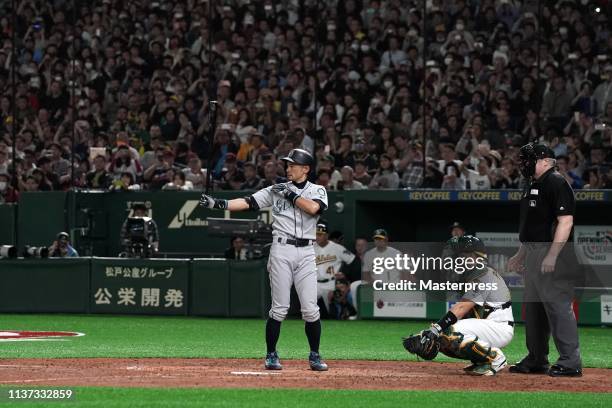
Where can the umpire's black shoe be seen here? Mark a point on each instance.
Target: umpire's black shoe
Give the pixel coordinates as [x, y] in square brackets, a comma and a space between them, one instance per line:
[560, 371]
[524, 368]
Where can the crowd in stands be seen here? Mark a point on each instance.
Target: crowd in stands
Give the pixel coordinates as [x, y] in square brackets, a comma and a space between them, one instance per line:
[115, 94]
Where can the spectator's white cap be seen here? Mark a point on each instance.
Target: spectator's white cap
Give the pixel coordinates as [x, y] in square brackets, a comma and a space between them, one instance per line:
[431, 63]
[499, 54]
[354, 76]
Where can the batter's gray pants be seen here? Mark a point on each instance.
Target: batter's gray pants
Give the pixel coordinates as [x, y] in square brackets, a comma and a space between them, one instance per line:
[289, 265]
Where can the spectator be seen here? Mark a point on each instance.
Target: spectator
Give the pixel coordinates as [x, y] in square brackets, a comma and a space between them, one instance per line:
[123, 163]
[252, 180]
[557, 101]
[348, 182]
[326, 164]
[381, 250]
[236, 251]
[501, 134]
[125, 183]
[230, 171]
[144, 79]
[341, 301]
[99, 178]
[361, 173]
[479, 179]
[593, 179]
[271, 176]
[159, 172]
[194, 173]
[7, 193]
[59, 165]
[571, 177]
[603, 92]
[4, 163]
[507, 176]
[61, 248]
[386, 177]
[49, 180]
[178, 183]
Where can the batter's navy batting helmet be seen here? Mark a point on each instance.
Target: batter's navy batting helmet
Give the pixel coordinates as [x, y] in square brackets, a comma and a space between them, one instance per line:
[299, 156]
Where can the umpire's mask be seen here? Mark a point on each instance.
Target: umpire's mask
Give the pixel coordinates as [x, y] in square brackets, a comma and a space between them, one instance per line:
[530, 154]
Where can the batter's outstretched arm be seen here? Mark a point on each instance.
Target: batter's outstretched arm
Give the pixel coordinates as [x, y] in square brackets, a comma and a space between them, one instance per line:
[237, 204]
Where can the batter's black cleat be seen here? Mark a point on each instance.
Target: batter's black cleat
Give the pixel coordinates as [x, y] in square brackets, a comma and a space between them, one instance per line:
[273, 362]
[560, 371]
[316, 363]
[524, 368]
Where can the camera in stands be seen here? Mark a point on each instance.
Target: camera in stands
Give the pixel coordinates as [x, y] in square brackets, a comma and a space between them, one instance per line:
[8, 251]
[35, 252]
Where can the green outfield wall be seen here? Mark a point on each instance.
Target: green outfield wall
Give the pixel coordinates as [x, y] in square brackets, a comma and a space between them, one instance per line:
[216, 287]
[94, 218]
[203, 287]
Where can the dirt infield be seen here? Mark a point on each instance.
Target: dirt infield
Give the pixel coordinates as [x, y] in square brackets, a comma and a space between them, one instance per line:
[345, 374]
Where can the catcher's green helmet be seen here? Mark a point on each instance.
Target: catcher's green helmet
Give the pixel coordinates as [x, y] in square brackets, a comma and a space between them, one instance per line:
[467, 244]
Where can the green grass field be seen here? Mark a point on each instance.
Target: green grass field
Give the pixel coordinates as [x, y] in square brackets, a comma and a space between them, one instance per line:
[154, 336]
[191, 398]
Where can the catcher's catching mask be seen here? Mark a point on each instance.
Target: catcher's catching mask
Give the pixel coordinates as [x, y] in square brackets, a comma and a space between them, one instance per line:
[530, 154]
[469, 246]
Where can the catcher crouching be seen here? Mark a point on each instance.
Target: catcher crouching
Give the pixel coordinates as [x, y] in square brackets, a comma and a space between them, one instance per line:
[478, 326]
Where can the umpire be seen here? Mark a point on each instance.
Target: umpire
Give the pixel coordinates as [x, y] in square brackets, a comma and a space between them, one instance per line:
[546, 224]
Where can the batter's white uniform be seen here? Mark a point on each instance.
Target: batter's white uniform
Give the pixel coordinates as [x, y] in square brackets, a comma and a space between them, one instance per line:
[329, 259]
[290, 264]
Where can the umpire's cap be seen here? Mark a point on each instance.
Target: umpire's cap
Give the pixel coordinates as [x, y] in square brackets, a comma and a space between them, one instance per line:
[467, 243]
[299, 156]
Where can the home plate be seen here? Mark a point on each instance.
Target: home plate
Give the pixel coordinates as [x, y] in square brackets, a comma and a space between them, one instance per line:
[253, 373]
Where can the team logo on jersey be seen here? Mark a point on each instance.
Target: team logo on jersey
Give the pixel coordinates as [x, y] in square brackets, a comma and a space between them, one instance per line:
[321, 259]
[532, 203]
[19, 335]
[281, 205]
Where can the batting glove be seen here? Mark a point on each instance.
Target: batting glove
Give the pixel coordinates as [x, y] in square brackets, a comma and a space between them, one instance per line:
[209, 202]
[283, 190]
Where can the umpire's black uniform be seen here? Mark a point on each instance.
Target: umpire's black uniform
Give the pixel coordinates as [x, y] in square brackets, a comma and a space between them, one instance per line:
[548, 296]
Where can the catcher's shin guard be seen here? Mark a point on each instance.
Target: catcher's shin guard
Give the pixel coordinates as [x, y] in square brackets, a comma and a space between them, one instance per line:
[465, 347]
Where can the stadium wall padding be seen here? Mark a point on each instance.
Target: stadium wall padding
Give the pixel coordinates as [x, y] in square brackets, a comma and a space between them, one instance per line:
[94, 219]
[44, 285]
[203, 287]
[200, 287]
[7, 224]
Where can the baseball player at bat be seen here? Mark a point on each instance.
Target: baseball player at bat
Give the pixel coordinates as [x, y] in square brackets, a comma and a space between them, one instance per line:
[296, 207]
[479, 325]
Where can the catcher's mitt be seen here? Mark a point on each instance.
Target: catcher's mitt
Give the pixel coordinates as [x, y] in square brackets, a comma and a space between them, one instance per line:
[423, 345]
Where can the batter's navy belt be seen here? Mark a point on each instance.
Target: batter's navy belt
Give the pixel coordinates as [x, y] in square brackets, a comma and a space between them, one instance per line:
[297, 242]
[324, 280]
